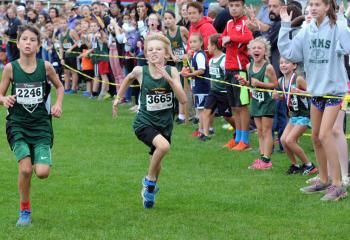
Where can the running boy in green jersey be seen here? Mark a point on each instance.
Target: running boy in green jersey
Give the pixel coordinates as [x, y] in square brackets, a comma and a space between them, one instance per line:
[154, 122]
[28, 126]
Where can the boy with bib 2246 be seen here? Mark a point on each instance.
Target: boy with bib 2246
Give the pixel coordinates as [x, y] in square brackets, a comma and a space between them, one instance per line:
[28, 126]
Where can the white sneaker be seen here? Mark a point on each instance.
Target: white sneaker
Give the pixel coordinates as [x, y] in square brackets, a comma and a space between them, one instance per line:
[346, 182]
[313, 180]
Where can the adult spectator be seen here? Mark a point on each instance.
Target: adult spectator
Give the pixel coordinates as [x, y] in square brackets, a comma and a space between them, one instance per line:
[32, 16]
[199, 23]
[53, 13]
[223, 17]
[100, 15]
[39, 7]
[71, 14]
[116, 9]
[143, 10]
[272, 33]
[21, 14]
[213, 10]
[13, 23]
[85, 12]
[260, 22]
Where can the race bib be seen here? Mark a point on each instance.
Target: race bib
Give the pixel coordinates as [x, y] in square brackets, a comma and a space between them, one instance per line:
[215, 71]
[29, 93]
[294, 103]
[160, 101]
[259, 96]
[67, 45]
[179, 52]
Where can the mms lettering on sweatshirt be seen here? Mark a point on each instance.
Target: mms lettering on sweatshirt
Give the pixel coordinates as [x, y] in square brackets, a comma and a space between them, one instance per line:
[321, 48]
[318, 48]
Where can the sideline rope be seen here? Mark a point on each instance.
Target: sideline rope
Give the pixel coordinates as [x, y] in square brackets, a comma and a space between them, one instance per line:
[344, 98]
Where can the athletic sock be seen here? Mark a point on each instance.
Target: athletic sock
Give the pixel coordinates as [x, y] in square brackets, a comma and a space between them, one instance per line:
[238, 135]
[309, 164]
[25, 205]
[265, 159]
[245, 136]
[181, 117]
[150, 188]
[296, 165]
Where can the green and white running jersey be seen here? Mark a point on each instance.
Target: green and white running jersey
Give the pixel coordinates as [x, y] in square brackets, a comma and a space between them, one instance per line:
[29, 119]
[177, 46]
[262, 103]
[218, 73]
[156, 103]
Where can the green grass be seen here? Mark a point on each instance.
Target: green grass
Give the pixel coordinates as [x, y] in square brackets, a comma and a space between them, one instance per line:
[206, 192]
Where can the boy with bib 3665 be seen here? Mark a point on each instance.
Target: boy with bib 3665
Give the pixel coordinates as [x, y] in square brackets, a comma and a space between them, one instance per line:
[154, 122]
[28, 126]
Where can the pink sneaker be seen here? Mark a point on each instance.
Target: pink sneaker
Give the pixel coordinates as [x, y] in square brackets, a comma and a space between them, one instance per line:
[260, 165]
[255, 163]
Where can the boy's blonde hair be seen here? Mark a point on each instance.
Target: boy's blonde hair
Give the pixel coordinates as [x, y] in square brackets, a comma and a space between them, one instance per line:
[265, 42]
[159, 37]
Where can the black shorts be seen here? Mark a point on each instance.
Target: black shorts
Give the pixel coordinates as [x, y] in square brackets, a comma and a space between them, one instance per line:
[71, 61]
[218, 100]
[237, 96]
[147, 134]
[89, 73]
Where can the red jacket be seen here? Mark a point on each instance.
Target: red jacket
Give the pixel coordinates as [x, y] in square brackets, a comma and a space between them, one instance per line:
[205, 28]
[237, 50]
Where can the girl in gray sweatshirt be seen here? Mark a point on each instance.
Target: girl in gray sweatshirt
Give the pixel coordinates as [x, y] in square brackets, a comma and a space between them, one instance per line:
[321, 47]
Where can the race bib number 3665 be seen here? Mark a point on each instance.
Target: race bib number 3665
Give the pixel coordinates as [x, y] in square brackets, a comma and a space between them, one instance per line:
[160, 101]
[29, 93]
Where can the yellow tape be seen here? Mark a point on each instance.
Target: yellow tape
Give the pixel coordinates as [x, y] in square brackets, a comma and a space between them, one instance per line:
[87, 76]
[344, 98]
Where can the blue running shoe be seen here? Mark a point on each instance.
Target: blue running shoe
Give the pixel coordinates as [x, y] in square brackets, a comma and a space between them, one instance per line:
[67, 91]
[25, 218]
[148, 192]
[87, 94]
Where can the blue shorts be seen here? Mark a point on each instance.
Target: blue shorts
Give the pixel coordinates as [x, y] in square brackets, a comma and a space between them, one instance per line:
[321, 103]
[199, 100]
[299, 121]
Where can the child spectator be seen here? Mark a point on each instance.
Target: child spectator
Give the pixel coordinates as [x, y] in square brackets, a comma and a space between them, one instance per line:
[299, 113]
[261, 74]
[321, 45]
[69, 40]
[217, 98]
[235, 39]
[200, 87]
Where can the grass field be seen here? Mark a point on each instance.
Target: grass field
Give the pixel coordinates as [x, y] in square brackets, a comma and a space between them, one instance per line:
[206, 192]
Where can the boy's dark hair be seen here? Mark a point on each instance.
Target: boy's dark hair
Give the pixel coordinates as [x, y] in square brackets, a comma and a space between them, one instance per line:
[28, 27]
[213, 39]
[243, 1]
[196, 5]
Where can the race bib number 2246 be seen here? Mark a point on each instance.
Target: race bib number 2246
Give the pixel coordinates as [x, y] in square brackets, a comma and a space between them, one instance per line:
[29, 93]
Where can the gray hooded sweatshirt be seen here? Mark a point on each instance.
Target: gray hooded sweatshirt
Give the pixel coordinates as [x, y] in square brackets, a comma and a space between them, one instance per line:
[322, 50]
